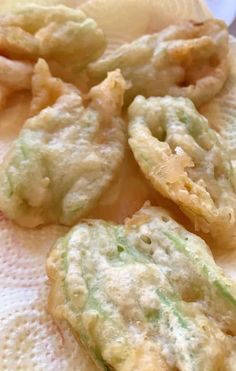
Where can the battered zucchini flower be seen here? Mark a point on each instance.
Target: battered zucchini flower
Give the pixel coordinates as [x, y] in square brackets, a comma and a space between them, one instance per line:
[188, 59]
[144, 296]
[65, 37]
[66, 154]
[186, 162]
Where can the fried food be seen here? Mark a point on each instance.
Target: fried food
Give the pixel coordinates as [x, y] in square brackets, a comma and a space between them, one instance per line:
[65, 37]
[126, 194]
[29, 338]
[221, 111]
[66, 155]
[185, 161]
[188, 59]
[14, 76]
[124, 21]
[56, 33]
[144, 296]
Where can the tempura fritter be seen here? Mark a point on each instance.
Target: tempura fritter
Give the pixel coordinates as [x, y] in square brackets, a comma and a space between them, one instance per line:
[66, 155]
[188, 59]
[14, 76]
[186, 162]
[221, 111]
[144, 296]
[65, 37]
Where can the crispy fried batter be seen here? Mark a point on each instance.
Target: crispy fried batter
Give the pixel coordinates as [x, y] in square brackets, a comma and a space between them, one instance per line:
[221, 111]
[188, 59]
[66, 155]
[185, 162]
[65, 37]
[14, 76]
[146, 297]
[55, 33]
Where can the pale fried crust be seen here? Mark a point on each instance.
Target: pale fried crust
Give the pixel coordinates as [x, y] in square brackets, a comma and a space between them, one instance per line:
[55, 33]
[188, 59]
[221, 111]
[144, 296]
[143, 357]
[185, 161]
[86, 139]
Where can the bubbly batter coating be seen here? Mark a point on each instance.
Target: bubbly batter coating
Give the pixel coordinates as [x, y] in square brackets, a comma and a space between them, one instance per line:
[144, 296]
[65, 37]
[188, 59]
[185, 161]
[66, 155]
[221, 111]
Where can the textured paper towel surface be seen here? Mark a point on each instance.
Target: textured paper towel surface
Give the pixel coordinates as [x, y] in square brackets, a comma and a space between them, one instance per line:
[124, 20]
[29, 338]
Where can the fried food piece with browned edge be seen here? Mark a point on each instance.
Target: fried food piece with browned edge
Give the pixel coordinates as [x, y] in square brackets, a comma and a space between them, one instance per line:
[186, 162]
[187, 59]
[65, 37]
[144, 296]
[67, 154]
